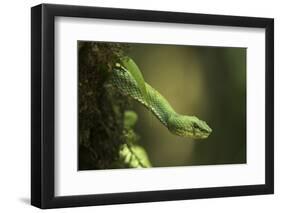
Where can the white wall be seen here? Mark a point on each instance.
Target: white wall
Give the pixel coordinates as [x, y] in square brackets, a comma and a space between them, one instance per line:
[15, 106]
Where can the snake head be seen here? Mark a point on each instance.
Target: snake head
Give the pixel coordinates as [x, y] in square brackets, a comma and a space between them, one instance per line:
[188, 126]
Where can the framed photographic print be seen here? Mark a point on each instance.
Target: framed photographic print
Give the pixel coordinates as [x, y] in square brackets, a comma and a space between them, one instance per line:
[140, 106]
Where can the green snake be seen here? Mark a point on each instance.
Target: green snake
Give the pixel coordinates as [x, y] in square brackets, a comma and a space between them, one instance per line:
[126, 82]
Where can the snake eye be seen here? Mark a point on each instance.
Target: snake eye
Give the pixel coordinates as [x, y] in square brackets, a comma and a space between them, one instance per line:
[195, 125]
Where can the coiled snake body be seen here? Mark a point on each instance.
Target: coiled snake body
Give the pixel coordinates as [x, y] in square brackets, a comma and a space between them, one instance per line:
[181, 125]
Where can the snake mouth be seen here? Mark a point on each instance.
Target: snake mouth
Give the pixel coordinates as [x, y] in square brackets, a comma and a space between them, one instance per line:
[195, 133]
[189, 126]
[200, 135]
[201, 130]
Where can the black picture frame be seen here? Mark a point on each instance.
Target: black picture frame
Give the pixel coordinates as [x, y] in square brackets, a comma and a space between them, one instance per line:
[43, 102]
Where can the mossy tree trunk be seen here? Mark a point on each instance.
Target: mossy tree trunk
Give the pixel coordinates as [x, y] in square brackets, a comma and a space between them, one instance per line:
[101, 108]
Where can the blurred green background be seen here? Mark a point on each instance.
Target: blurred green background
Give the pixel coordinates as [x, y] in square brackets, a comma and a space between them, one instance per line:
[208, 82]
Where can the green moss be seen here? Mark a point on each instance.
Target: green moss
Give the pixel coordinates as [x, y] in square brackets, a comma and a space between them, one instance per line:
[100, 106]
[107, 139]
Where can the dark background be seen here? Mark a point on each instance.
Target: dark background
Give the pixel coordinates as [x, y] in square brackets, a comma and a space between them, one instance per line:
[208, 82]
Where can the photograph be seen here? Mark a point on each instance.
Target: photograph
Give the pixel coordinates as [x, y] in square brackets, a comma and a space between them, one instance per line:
[146, 105]
[139, 105]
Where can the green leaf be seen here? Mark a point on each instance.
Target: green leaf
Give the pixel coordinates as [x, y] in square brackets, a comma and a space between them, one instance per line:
[134, 70]
[134, 156]
[130, 119]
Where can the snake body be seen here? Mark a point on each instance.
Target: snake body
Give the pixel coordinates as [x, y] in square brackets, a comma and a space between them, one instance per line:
[181, 125]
